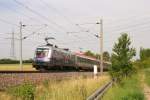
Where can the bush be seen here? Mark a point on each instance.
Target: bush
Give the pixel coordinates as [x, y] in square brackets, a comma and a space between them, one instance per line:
[144, 53]
[128, 89]
[146, 63]
[25, 91]
[142, 64]
[147, 77]
[28, 61]
[134, 96]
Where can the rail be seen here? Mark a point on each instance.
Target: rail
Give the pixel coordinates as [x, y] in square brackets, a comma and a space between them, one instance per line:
[100, 92]
[34, 71]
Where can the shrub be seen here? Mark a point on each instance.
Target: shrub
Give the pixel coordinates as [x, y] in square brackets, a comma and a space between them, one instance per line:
[133, 96]
[147, 77]
[146, 63]
[128, 89]
[25, 91]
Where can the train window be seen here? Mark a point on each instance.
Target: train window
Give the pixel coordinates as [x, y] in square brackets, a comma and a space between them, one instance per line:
[42, 52]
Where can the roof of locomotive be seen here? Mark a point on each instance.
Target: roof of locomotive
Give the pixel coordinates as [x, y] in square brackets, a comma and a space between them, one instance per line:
[55, 48]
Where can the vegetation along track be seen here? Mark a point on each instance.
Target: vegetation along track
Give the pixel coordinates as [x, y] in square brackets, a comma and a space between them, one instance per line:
[13, 78]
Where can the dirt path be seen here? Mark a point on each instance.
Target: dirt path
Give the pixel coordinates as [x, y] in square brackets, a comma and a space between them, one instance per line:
[145, 87]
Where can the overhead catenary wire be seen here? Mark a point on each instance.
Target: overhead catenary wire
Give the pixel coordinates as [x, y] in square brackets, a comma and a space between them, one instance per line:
[30, 18]
[64, 16]
[58, 12]
[126, 19]
[21, 13]
[77, 41]
[40, 15]
[7, 22]
[34, 32]
[147, 22]
[130, 27]
[87, 40]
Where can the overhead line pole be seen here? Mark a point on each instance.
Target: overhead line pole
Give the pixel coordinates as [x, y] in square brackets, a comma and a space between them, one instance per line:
[21, 25]
[101, 45]
[100, 36]
[21, 67]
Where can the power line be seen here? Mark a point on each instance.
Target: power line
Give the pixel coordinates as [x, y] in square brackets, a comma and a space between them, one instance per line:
[130, 26]
[34, 19]
[39, 14]
[30, 18]
[58, 12]
[134, 17]
[61, 14]
[7, 22]
[144, 20]
[5, 33]
[34, 32]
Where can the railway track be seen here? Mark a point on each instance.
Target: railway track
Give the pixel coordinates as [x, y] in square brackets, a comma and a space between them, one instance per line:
[13, 78]
[98, 94]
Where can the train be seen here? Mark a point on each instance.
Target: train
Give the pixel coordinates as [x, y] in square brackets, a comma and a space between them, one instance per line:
[49, 57]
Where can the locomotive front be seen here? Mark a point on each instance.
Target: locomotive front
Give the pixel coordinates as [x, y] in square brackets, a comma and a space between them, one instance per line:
[42, 57]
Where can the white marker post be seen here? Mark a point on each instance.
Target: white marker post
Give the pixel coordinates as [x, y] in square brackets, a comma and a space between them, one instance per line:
[95, 71]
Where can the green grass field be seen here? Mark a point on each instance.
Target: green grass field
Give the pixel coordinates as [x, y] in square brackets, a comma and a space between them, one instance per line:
[8, 67]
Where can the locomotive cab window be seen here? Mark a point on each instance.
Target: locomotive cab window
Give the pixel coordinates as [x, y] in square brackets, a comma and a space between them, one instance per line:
[42, 52]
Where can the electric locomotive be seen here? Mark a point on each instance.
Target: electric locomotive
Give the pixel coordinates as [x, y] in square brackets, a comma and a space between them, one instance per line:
[51, 57]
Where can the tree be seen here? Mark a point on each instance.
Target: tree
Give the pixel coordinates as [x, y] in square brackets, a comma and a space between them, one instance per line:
[121, 57]
[97, 56]
[106, 56]
[144, 54]
[89, 53]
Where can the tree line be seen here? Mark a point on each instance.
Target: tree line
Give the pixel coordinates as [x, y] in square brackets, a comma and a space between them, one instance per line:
[144, 54]
[12, 61]
[106, 55]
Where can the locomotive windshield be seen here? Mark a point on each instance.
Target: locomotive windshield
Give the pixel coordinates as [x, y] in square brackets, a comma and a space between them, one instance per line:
[42, 52]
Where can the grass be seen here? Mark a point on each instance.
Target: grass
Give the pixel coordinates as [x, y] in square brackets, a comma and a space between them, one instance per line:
[129, 89]
[147, 76]
[15, 67]
[73, 89]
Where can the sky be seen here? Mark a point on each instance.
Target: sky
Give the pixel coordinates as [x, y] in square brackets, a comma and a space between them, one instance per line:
[73, 24]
